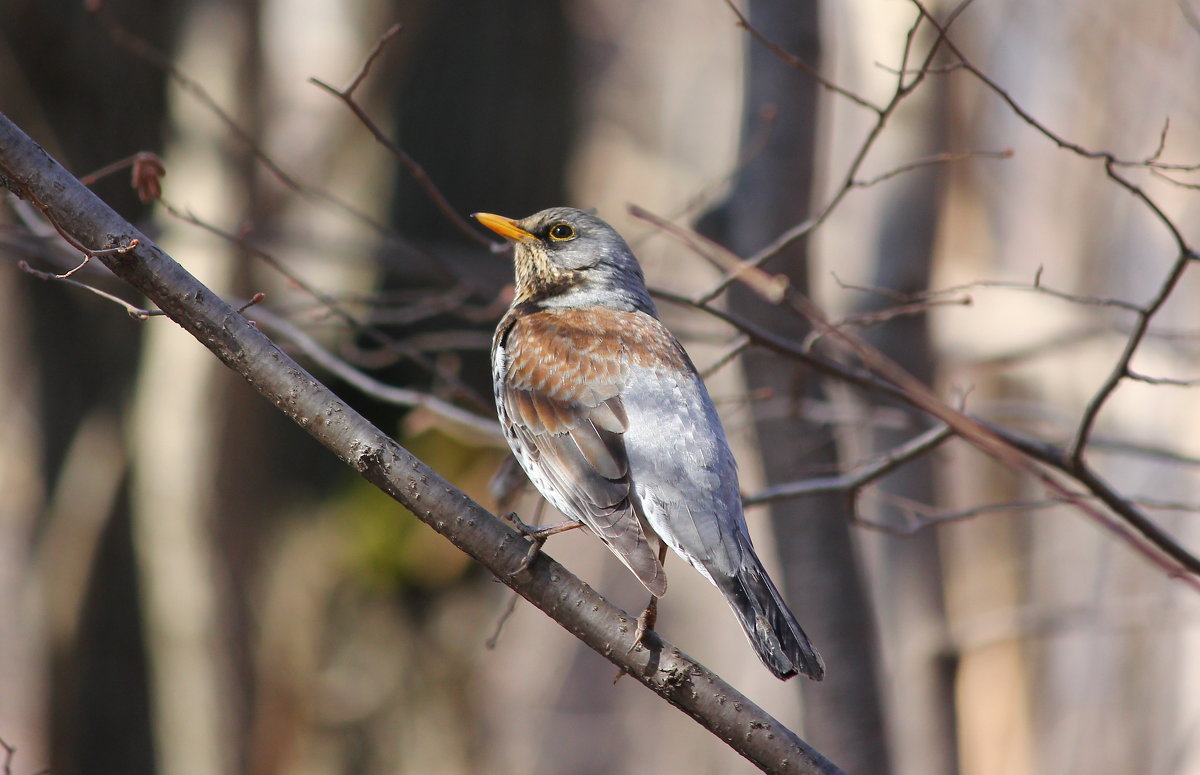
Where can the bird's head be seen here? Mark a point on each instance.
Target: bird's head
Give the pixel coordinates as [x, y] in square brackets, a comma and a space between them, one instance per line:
[569, 258]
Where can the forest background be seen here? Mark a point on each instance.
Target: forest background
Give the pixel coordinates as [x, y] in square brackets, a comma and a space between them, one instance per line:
[998, 198]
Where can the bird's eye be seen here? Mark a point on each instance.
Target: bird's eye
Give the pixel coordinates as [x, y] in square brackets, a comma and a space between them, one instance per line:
[561, 232]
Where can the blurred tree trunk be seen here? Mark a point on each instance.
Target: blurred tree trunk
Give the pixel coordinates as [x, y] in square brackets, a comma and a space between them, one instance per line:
[822, 576]
[24, 698]
[81, 583]
[909, 585]
[186, 587]
[895, 229]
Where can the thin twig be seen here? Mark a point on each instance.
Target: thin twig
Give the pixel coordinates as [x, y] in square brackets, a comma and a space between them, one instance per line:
[388, 34]
[148, 171]
[920, 517]
[509, 609]
[1175, 181]
[142, 49]
[1164, 505]
[903, 90]
[1138, 377]
[936, 159]
[859, 477]
[135, 312]
[335, 308]
[481, 426]
[1189, 15]
[733, 351]
[1186, 255]
[431, 189]
[769, 286]
[798, 63]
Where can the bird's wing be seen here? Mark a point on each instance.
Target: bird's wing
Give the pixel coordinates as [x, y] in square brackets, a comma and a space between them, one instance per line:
[560, 396]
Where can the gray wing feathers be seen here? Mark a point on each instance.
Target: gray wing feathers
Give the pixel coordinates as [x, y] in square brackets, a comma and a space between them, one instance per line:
[683, 471]
[580, 454]
[686, 480]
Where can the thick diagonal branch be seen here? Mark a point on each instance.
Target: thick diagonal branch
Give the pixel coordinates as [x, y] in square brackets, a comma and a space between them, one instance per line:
[29, 172]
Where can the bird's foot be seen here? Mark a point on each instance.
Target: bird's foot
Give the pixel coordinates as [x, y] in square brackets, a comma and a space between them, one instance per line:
[645, 623]
[641, 635]
[535, 548]
[537, 537]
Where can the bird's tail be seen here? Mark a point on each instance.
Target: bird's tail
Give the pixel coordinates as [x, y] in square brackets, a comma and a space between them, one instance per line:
[769, 624]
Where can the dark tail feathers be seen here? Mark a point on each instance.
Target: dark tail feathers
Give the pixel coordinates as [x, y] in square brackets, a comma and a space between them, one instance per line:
[769, 624]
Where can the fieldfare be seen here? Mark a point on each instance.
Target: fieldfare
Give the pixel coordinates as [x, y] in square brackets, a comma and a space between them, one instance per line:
[608, 417]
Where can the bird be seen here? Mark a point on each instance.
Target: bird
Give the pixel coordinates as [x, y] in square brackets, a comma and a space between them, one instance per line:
[608, 417]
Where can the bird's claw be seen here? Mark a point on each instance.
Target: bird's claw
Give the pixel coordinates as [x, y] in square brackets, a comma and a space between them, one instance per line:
[645, 626]
[535, 548]
[515, 522]
[536, 540]
[535, 535]
[645, 623]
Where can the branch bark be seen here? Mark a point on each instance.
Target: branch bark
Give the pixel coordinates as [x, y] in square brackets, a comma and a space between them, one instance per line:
[30, 173]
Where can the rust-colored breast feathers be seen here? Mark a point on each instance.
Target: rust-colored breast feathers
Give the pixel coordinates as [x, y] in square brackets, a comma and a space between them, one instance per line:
[584, 356]
[562, 389]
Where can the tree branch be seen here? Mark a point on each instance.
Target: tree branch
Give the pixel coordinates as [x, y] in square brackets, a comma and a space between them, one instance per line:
[29, 172]
[860, 477]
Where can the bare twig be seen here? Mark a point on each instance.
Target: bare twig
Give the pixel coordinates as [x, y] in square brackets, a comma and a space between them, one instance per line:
[509, 609]
[1159, 504]
[148, 172]
[1175, 181]
[859, 477]
[1137, 377]
[921, 517]
[335, 308]
[511, 606]
[798, 63]
[769, 286]
[878, 317]
[733, 351]
[1189, 15]
[142, 49]
[1150, 161]
[929, 161]
[904, 87]
[1111, 163]
[1038, 287]
[384, 39]
[1141, 327]
[414, 168]
[479, 425]
[134, 312]
[115, 246]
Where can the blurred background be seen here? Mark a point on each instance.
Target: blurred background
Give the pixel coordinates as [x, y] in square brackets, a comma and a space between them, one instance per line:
[189, 584]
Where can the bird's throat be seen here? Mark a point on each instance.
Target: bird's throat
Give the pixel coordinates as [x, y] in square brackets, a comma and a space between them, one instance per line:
[537, 279]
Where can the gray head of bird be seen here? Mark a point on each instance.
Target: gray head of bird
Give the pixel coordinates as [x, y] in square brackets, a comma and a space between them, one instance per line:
[570, 258]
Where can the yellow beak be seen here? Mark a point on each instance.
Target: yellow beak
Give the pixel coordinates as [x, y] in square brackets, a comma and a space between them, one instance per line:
[505, 227]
